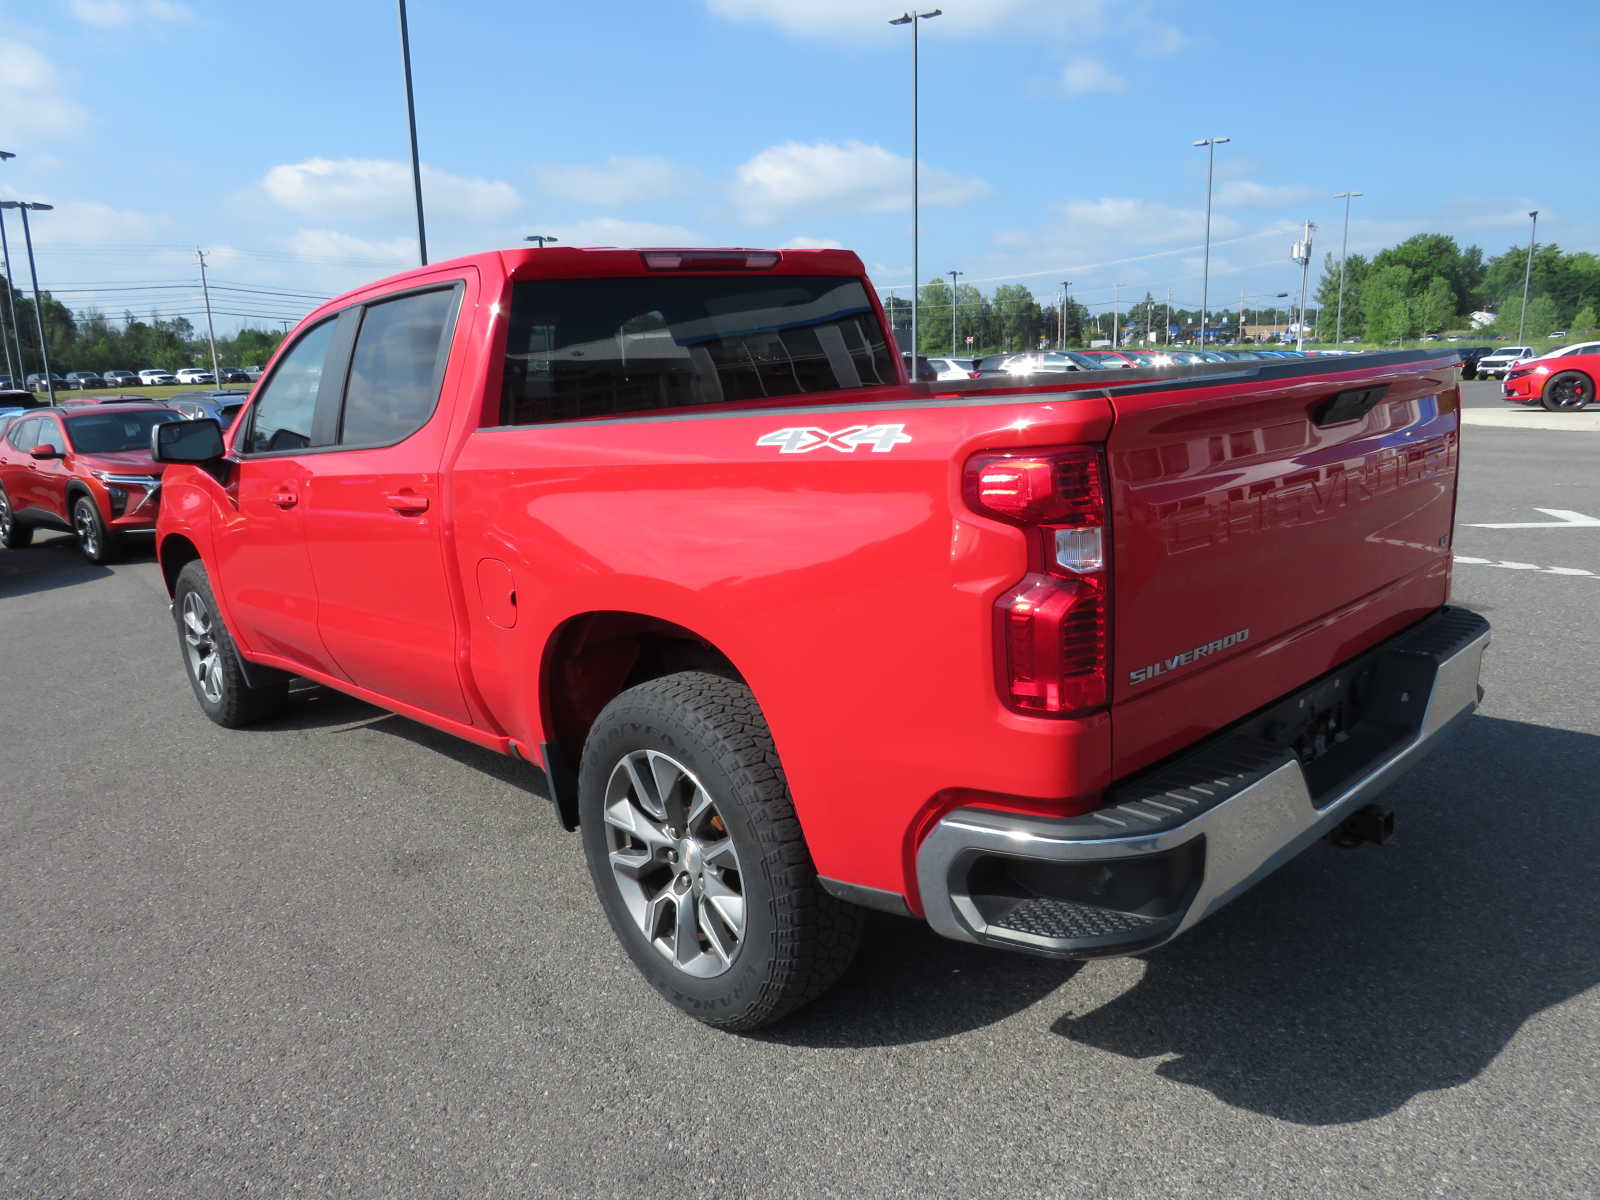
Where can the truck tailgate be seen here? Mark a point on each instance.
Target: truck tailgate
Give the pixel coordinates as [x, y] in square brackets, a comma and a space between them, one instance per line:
[1266, 530]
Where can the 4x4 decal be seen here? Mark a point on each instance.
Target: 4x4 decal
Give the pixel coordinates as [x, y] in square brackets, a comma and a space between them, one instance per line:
[882, 439]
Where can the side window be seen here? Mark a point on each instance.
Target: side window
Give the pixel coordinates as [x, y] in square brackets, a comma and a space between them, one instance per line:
[397, 368]
[23, 433]
[280, 418]
[49, 434]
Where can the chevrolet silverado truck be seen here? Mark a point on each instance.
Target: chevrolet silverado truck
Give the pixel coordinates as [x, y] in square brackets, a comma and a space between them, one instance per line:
[1055, 667]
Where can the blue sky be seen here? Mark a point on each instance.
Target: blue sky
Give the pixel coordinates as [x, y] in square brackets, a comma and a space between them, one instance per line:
[1055, 136]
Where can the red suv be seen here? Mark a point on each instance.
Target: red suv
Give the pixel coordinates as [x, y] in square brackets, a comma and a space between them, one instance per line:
[86, 470]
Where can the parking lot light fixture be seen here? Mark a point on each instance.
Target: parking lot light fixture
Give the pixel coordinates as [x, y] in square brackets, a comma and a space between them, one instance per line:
[411, 121]
[1344, 248]
[11, 302]
[1527, 278]
[1211, 144]
[541, 238]
[25, 207]
[914, 19]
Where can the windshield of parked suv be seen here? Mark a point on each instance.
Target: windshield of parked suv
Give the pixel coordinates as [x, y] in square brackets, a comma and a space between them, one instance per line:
[595, 347]
[106, 433]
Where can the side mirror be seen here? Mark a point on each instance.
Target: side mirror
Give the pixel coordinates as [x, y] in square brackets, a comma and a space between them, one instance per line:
[196, 441]
[45, 451]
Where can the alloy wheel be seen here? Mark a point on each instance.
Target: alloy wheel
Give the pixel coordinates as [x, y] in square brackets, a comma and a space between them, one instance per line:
[1569, 393]
[200, 647]
[87, 529]
[674, 863]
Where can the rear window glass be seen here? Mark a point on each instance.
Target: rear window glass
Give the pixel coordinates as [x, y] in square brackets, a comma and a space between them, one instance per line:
[595, 347]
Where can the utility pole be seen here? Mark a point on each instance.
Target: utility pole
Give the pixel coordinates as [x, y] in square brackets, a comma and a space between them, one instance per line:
[1168, 340]
[211, 333]
[1302, 255]
[1061, 342]
[1116, 313]
[1527, 277]
[1241, 316]
[954, 275]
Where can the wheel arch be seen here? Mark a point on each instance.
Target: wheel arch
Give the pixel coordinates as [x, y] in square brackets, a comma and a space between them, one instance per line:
[589, 660]
[174, 552]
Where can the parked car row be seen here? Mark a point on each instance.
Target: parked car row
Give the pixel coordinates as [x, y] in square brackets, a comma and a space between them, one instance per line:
[1055, 362]
[85, 381]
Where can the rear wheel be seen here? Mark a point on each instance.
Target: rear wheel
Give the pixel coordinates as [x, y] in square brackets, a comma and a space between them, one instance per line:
[698, 858]
[99, 544]
[212, 662]
[13, 534]
[1567, 392]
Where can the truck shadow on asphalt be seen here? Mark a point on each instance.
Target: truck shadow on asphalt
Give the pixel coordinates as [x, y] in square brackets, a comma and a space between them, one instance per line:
[51, 562]
[1352, 981]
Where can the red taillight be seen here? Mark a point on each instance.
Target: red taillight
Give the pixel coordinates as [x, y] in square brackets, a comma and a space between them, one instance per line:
[1052, 648]
[710, 260]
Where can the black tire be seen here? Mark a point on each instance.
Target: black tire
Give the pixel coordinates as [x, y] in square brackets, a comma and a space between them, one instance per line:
[99, 544]
[13, 534]
[795, 940]
[1569, 391]
[212, 663]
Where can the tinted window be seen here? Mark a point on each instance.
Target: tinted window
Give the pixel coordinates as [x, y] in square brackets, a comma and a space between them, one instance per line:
[396, 369]
[104, 432]
[49, 434]
[591, 347]
[281, 416]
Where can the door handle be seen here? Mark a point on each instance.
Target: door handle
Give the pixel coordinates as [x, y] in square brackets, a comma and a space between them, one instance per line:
[406, 502]
[285, 499]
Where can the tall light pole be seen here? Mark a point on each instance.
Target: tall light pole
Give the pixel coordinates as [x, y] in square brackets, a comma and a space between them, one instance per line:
[1211, 144]
[1061, 343]
[211, 331]
[914, 19]
[954, 275]
[11, 302]
[1116, 314]
[541, 238]
[1527, 278]
[33, 271]
[411, 121]
[1344, 246]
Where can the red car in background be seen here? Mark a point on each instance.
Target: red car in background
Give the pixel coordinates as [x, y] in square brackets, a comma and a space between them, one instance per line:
[1563, 384]
[86, 470]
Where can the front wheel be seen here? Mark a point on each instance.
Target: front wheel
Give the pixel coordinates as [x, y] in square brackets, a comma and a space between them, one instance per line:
[212, 663]
[99, 544]
[1567, 392]
[13, 535]
[700, 864]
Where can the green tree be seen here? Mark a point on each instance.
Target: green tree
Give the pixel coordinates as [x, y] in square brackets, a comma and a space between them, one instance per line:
[1436, 308]
[1542, 317]
[1584, 320]
[1384, 303]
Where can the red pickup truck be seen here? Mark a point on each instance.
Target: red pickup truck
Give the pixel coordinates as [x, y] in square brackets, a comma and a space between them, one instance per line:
[1059, 669]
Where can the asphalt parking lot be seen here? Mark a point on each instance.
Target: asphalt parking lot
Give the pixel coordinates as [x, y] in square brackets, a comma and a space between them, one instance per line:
[342, 954]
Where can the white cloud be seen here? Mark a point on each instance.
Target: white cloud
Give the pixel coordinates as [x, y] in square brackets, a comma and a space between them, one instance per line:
[331, 247]
[611, 231]
[375, 189]
[1082, 76]
[853, 177]
[1247, 194]
[113, 14]
[36, 109]
[811, 243]
[81, 222]
[615, 183]
[1141, 222]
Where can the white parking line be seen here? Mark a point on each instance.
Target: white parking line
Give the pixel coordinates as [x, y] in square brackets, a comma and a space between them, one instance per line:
[1578, 572]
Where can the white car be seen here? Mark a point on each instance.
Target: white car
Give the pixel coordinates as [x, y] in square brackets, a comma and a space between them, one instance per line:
[195, 375]
[156, 377]
[1494, 366]
[1575, 348]
[954, 368]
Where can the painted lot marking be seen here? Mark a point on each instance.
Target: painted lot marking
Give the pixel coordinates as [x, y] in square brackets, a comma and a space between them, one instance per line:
[1565, 519]
[1577, 572]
